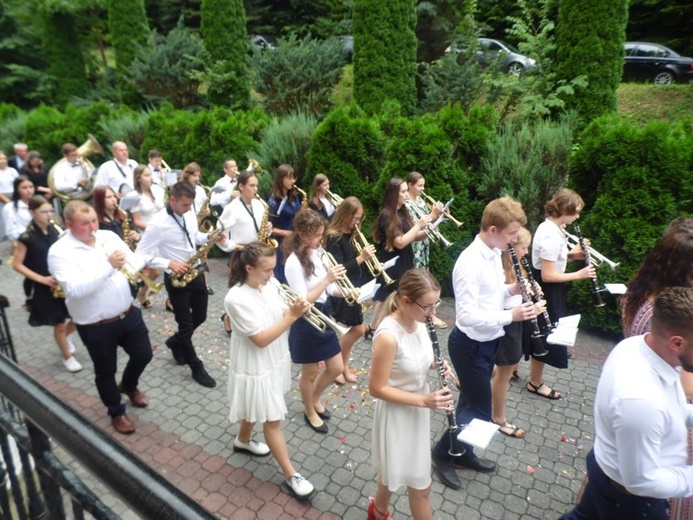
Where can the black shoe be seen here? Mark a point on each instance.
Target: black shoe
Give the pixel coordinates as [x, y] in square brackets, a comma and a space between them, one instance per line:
[210, 291]
[446, 472]
[221, 319]
[475, 463]
[325, 415]
[169, 306]
[317, 429]
[172, 344]
[200, 375]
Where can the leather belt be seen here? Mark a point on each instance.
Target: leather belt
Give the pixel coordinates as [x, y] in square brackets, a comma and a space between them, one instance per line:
[618, 486]
[111, 320]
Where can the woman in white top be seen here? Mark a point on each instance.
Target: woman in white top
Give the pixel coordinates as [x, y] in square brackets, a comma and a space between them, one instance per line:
[7, 177]
[16, 216]
[151, 197]
[307, 276]
[192, 174]
[260, 366]
[400, 369]
[550, 256]
[320, 199]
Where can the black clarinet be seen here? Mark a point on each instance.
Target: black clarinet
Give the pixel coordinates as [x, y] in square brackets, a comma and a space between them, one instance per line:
[454, 450]
[538, 293]
[596, 291]
[537, 343]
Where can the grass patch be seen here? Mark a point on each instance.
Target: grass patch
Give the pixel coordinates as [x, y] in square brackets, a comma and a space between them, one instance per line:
[644, 103]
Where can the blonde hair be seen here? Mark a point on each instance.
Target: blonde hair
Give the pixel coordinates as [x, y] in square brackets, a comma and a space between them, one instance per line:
[413, 284]
[523, 237]
[341, 220]
[76, 206]
[501, 213]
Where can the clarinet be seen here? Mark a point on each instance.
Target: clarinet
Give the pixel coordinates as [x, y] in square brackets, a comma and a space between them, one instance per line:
[537, 344]
[538, 293]
[454, 450]
[596, 291]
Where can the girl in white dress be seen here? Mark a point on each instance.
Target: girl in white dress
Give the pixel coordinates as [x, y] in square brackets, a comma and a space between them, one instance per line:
[260, 365]
[402, 358]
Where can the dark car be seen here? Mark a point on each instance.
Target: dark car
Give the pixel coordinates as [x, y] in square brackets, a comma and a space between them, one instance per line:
[506, 57]
[259, 41]
[656, 63]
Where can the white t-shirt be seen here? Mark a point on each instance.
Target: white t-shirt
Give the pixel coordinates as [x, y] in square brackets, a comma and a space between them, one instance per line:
[549, 244]
[238, 223]
[7, 177]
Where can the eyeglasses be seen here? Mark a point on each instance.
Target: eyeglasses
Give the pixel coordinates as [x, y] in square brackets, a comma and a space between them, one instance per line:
[428, 308]
[46, 211]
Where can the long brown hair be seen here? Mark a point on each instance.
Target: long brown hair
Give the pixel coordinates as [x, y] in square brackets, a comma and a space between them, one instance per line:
[283, 170]
[341, 220]
[137, 177]
[313, 196]
[100, 204]
[413, 284]
[389, 214]
[249, 255]
[306, 222]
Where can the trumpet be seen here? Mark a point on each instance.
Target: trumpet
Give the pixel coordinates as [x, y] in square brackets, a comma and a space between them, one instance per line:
[336, 199]
[314, 316]
[430, 201]
[56, 290]
[346, 288]
[304, 197]
[596, 258]
[431, 230]
[359, 243]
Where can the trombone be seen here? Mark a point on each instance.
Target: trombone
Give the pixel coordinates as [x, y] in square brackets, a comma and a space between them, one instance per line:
[359, 243]
[430, 201]
[431, 229]
[314, 316]
[346, 288]
[596, 258]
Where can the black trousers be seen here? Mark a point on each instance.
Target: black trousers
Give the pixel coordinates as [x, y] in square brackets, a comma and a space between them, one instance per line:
[102, 342]
[190, 310]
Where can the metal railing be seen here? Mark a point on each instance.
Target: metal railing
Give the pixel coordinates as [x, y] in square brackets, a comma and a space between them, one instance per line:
[29, 414]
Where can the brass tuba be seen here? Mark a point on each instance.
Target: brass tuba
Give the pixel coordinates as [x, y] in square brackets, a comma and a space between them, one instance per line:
[90, 147]
[254, 166]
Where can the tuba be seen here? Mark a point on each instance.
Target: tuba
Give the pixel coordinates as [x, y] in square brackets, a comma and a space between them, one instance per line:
[254, 166]
[90, 147]
[262, 235]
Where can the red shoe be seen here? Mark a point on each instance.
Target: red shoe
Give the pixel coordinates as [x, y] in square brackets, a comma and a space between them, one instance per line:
[372, 510]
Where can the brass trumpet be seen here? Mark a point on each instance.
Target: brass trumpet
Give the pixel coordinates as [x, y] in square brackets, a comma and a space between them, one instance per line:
[430, 229]
[335, 198]
[596, 258]
[430, 201]
[56, 290]
[314, 316]
[359, 243]
[346, 288]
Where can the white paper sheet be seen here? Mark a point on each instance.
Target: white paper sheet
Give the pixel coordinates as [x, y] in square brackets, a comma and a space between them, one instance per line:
[616, 288]
[478, 433]
[368, 290]
[391, 262]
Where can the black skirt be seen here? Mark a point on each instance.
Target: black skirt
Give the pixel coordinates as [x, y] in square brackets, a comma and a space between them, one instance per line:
[510, 345]
[309, 345]
[46, 310]
[344, 313]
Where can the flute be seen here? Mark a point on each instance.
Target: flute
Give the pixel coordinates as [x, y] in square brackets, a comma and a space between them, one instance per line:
[538, 293]
[454, 449]
[596, 291]
[538, 345]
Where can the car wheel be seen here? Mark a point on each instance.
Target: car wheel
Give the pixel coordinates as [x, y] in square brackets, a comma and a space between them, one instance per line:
[515, 69]
[663, 77]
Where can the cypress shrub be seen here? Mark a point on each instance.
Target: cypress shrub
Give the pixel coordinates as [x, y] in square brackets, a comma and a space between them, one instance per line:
[223, 26]
[43, 131]
[385, 53]
[129, 126]
[589, 42]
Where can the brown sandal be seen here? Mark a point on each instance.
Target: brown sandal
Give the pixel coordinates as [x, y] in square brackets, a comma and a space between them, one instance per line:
[552, 395]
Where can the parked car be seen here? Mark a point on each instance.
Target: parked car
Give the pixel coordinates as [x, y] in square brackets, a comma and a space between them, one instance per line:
[348, 45]
[260, 41]
[656, 63]
[506, 57]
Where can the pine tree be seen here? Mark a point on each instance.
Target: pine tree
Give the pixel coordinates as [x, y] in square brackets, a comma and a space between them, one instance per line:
[385, 53]
[63, 54]
[226, 40]
[589, 38]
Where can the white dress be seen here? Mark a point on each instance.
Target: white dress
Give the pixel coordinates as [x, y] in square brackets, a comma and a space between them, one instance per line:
[401, 442]
[258, 377]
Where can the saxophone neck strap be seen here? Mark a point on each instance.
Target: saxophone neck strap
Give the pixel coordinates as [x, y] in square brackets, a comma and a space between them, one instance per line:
[181, 224]
[249, 209]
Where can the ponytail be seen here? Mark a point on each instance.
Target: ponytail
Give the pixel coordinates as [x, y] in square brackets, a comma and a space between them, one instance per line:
[249, 255]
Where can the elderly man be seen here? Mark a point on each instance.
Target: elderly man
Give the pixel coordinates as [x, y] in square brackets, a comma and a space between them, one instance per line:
[19, 158]
[118, 173]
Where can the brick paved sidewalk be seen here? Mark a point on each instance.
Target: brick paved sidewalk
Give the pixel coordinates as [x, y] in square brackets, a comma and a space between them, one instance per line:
[185, 435]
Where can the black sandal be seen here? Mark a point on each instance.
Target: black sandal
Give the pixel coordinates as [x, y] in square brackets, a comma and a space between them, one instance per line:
[369, 333]
[552, 395]
[221, 319]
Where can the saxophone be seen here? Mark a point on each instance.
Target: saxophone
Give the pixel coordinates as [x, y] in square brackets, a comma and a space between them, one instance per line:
[56, 290]
[126, 229]
[304, 197]
[262, 235]
[204, 224]
[181, 280]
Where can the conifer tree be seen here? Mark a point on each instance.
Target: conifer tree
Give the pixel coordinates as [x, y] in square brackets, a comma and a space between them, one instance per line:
[128, 27]
[63, 54]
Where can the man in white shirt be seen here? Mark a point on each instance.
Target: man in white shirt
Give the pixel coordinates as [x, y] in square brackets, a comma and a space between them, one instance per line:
[480, 291]
[118, 173]
[173, 233]
[641, 419]
[21, 150]
[86, 262]
[70, 175]
[155, 160]
[224, 190]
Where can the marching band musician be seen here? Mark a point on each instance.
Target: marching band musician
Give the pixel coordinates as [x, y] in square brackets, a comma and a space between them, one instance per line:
[174, 234]
[118, 173]
[320, 200]
[349, 214]
[284, 203]
[70, 175]
[108, 216]
[155, 165]
[85, 263]
[192, 174]
[224, 190]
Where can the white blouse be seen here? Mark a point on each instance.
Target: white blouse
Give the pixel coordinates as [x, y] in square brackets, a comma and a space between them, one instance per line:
[295, 277]
[16, 220]
[7, 177]
[550, 244]
[238, 223]
[147, 207]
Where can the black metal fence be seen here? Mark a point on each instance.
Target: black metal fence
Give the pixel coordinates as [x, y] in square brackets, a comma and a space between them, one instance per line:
[34, 484]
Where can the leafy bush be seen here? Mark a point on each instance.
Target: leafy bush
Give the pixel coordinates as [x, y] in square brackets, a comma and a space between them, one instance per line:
[298, 76]
[128, 126]
[12, 124]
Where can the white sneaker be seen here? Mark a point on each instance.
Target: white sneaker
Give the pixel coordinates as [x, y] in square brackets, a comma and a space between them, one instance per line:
[70, 345]
[252, 447]
[72, 365]
[300, 487]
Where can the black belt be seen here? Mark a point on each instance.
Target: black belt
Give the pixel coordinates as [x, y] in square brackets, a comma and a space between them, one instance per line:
[618, 486]
[111, 320]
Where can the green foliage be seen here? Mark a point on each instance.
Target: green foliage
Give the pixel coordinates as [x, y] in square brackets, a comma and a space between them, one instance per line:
[343, 92]
[660, 21]
[385, 53]
[528, 163]
[225, 37]
[12, 124]
[436, 20]
[128, 126]
[298, 76]
[589, 38]
[170, 68]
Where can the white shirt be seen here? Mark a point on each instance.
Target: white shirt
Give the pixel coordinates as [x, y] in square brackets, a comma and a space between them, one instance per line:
[640, 419]
[95, 290]
[165, 234]
[550, 244]
[329, 207]
[240, 227]
[157, 175]
[200, 198]
[16, 220]
[480, 292]
[295, 277]
[222, 198]
[7, 177]
[147, 207]
[66, 175]
[110, 175]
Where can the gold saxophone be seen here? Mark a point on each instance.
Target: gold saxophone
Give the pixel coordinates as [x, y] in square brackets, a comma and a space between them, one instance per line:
[304, 197]
[181, 280]
[126, 229]
[204, 223]
[262, 235]
[56, 290]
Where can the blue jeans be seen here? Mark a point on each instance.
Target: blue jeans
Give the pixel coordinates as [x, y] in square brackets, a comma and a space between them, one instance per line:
[473, 362]
[602, 500]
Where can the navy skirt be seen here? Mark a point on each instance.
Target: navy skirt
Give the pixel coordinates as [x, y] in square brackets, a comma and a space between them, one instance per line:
[308, 345]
